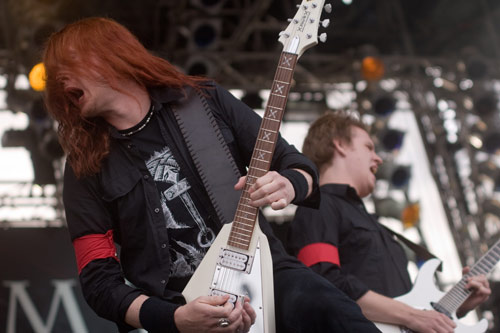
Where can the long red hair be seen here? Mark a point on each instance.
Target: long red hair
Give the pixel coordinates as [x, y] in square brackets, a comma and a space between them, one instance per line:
[85, 48]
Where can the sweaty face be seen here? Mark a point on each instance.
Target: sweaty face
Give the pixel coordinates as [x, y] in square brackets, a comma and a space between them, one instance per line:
[363, 161]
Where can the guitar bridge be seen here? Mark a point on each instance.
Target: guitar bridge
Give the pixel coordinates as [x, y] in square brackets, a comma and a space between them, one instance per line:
[235, 260]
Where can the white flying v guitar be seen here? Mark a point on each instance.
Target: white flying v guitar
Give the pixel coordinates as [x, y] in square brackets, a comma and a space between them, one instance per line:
[239, 261]
[425, 295]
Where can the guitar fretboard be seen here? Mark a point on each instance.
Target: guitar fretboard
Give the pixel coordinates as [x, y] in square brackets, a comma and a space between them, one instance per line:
[452, 300]
[246, 215]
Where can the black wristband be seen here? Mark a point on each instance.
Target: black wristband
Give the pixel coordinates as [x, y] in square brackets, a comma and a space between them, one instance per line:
[157, 315]
[299, 184]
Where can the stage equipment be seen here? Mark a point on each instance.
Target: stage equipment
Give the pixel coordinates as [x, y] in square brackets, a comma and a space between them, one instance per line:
[37, 77]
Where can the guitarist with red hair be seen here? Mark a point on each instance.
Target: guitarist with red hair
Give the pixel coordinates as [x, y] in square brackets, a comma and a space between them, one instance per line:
[130, 180]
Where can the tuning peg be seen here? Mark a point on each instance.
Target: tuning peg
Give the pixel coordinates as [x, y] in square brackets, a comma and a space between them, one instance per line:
[322, 37]
[328, 8]
[325, 23]
[284, 34]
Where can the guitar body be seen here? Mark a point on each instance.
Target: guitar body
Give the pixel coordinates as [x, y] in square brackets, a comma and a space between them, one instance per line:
[215, 278]
[425, 292]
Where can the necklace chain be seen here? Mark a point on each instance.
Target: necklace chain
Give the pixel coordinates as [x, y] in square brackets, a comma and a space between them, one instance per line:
[140, 128]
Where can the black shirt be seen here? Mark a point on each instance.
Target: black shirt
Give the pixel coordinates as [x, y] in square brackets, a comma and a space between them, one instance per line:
[189, 235]
[369, 256]
[124, 198]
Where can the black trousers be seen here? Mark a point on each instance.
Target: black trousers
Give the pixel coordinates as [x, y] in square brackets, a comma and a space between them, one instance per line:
[306, 302]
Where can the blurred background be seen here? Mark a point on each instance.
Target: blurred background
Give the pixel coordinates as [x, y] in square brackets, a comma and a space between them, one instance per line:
[424, 74]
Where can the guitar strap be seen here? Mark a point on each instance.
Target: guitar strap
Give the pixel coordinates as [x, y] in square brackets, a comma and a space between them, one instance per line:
[421, 252]
[210, 153]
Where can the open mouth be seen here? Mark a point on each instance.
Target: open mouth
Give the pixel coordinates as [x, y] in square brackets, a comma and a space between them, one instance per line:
[75, 95]
[373, 169]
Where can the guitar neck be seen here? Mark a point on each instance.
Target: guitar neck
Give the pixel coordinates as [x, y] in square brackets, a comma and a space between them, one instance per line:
[454, 298]
[246, 215]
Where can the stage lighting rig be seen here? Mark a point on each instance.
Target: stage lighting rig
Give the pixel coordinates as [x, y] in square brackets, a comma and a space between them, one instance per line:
[205, 34]
[405, 211]
[37, 77]
[398, 176]
[210, 6]
[39, 138]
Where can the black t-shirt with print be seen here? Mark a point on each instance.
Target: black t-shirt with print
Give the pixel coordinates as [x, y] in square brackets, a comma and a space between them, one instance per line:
[190, 232]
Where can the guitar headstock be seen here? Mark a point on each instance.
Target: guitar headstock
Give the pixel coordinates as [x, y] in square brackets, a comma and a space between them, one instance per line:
[302, 32]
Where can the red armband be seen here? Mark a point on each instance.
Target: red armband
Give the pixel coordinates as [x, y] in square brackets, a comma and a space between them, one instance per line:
[94, 246]
[319, 252]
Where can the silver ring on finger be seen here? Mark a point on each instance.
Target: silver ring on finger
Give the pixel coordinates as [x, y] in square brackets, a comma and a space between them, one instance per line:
[223, 322]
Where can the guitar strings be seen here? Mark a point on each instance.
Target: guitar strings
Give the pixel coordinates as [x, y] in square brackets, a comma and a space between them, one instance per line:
[457, 295]
[228, 280]
[228, 276]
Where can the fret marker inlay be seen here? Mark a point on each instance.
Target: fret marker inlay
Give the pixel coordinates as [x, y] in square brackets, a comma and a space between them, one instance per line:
[279, 89]
[286, 61]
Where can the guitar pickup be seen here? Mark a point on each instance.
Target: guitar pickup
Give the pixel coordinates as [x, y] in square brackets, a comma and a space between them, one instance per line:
[235, 260]
[233, 298]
